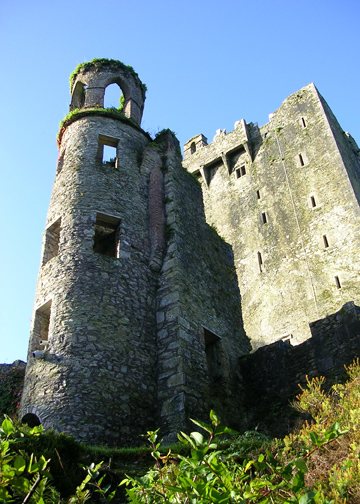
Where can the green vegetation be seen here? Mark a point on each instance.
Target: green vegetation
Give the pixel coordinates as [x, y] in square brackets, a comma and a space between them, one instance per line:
[99, 64]
[76, 114]
[319, 464]
[11, 385]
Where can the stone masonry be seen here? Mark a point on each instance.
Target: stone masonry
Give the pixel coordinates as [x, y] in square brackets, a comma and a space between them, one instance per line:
[285, 196]
[137, 310]
[143, 313]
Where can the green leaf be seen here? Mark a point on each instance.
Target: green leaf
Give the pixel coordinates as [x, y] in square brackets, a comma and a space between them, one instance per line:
[198, 438]
[308, 498]
[214, 418]
[225, 430]
[7, 427]
[301, 465]
[203, 425]
[19, 465]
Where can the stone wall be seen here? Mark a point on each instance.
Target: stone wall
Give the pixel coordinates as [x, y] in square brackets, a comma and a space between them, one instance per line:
[200, 331]
[272, 374]
[282, 196]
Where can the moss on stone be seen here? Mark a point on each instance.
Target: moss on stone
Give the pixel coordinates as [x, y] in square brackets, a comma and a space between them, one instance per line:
[98, 64]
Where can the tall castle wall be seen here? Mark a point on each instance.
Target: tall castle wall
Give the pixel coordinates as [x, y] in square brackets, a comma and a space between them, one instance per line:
[285, 197]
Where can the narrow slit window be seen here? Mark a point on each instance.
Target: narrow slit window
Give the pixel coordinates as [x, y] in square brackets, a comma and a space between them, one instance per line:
[303, 122]
[192, 148]
[107, 235]
[52, 239]
[337, 282]
[260, 261]
[325, 240]
[301, 160]
[313, 202]
[107, 151]
[263, 218]
[258, 194]
[237, 173]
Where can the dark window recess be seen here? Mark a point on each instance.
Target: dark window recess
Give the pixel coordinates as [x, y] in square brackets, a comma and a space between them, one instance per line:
[313, 202]
[337, 282]
[234, 157]
[52, 238]
[40, 333]
[31, 420]
[192, 148]
[265, 136]
[213, 355]
[301, 160]
[260, 261]
[263, 218]
[303, 122]
[326, 243]
[240, 172]
[107, 235]
[211, 169]
[107, 151]
[258, 194]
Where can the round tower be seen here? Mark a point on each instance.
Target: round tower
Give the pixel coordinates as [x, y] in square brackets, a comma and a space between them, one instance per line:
[92, 351]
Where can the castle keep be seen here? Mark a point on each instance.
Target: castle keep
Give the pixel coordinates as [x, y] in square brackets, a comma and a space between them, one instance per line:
[155, 279]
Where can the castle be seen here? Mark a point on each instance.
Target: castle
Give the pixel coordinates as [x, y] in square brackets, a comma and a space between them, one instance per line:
[158, 274]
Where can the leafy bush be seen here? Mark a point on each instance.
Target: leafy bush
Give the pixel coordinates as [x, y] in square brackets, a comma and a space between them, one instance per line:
[319, 464]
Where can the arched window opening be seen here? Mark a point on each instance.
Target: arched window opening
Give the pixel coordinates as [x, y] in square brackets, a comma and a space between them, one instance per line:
[78, 97]
[193, 148]
[113, 97]
[31, 420]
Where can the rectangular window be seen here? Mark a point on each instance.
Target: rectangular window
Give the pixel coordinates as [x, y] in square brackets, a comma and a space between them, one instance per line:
[52, 238]
[263, 218]
[301, 160]
[325, 240]
[258, 194]
[313, 202]
[107, 235]
[107, 151]
[40, 333]
[240, 172]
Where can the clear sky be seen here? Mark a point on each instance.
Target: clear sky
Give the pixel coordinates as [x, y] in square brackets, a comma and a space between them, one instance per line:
[206, 64]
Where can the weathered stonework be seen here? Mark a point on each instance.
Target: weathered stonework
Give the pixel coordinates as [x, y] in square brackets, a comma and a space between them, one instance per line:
[137, 302]
[291, 217]
[142, 312]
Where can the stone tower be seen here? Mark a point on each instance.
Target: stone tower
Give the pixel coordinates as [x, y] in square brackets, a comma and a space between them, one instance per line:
[286, 197]
[137, 317]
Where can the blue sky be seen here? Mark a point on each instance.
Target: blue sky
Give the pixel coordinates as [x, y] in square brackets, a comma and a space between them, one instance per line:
[206, 64]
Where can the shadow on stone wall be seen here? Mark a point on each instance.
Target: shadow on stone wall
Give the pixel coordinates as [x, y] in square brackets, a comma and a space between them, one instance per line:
[271, 374]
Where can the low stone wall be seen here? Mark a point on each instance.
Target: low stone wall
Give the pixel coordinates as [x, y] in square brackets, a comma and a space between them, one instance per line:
[271, 374]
